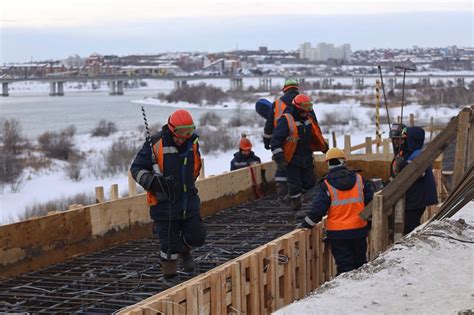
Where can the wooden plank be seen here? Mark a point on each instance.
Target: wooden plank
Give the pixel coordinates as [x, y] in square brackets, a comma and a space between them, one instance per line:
[377, 222]
[255, 287]
[289, 272]
[347, 144]
[236, 287]
[132, 185]
[460, 158]
[216, 293]
[470, 144]
[334, 140]
[399, 218]
[272, 279]
[99, 194]
[397, 188]
[114, 194]
[368, 145]
[386, 146]
[202, 173]
[303, 252]
[192, 306]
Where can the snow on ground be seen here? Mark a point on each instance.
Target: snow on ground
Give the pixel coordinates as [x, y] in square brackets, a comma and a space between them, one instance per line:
[421, 274]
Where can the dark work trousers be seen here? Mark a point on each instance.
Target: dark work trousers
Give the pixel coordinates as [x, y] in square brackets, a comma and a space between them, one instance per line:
[280, 176]
[179, 235]
[299, 179]
[412, 219]
[349, 253]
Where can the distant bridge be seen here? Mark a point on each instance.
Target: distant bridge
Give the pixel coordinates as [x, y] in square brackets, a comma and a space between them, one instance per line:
[116, 82]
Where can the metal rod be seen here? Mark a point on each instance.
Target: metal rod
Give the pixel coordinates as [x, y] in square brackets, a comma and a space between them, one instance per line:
[405, 69]
[385, 97]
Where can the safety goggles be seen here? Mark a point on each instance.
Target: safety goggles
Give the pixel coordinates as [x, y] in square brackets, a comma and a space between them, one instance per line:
[184, 131]
[306, 106]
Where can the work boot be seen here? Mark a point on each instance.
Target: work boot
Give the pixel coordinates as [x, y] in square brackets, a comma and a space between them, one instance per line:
[170, 272]
[188, 262]
[281, 189]
[295, 203]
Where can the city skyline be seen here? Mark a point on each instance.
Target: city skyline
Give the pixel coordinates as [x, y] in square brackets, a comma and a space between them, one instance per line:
[55, 30]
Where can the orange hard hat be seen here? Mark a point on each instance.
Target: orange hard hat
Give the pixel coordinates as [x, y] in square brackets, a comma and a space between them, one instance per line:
[245, 144]
[303, 102]
[181, 124]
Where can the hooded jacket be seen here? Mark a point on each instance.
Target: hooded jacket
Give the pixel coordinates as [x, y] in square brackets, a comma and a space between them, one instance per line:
[287, 98]
[423, 191]
[340, 178]
[178, 165]
[241, 161]
[303, 156]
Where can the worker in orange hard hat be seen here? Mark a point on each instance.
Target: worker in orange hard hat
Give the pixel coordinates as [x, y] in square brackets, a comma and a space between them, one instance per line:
[167, 166]
[342, 195]
[245, 156]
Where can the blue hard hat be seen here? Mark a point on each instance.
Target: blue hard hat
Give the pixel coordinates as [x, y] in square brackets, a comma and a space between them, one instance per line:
[263, 107]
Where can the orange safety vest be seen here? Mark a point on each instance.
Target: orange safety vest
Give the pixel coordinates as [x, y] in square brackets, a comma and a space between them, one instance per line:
[317, 140]
[289, 146]
[280, 107]
[158, 151]
[343, 214]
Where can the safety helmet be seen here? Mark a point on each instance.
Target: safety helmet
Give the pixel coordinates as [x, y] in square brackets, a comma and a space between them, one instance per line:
[181, 124]
[303, 102]
[290, 84]
[396, 131]
[263, 107]
[245, 144]
[335, 153]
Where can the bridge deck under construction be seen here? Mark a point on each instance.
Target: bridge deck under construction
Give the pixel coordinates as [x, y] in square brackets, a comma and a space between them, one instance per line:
[112, 279]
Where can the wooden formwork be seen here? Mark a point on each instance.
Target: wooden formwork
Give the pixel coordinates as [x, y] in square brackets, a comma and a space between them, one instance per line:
[258, 282]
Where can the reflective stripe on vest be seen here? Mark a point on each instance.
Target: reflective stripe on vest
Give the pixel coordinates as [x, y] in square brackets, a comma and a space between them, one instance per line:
[345, 207]
[159, 151]
[279, 108]
[289, 146]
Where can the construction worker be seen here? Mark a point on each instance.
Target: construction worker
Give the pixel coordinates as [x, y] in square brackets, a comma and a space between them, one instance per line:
[397, 140]
[342, 195]
[168, 172]
[245, 157]
[294, 140]
[263, 107]
[423, 191]
[290, 90]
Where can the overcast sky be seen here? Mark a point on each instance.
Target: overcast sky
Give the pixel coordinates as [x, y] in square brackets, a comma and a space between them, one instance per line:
[45, 29]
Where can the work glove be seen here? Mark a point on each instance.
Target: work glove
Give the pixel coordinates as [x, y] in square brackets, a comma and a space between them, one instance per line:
[266, 143]
[160, 184]
[303, 225]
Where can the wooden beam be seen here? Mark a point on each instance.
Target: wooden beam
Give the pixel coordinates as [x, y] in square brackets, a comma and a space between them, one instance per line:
[399, 218]
[114, 194]
[460, 157]
[99, 194]
[397, 188]
[368, 145]
[132, 185]
[347, 144]
[334, 141]
[377, 224]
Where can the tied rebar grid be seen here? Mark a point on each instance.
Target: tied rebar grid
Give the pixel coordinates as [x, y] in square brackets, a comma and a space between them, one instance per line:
[112, 279]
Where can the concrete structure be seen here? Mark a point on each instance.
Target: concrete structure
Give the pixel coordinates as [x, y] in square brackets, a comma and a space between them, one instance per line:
[116, 87]
[4, 88]
[265, 84]
[358, 83]
[325, 51]
[236, 84]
